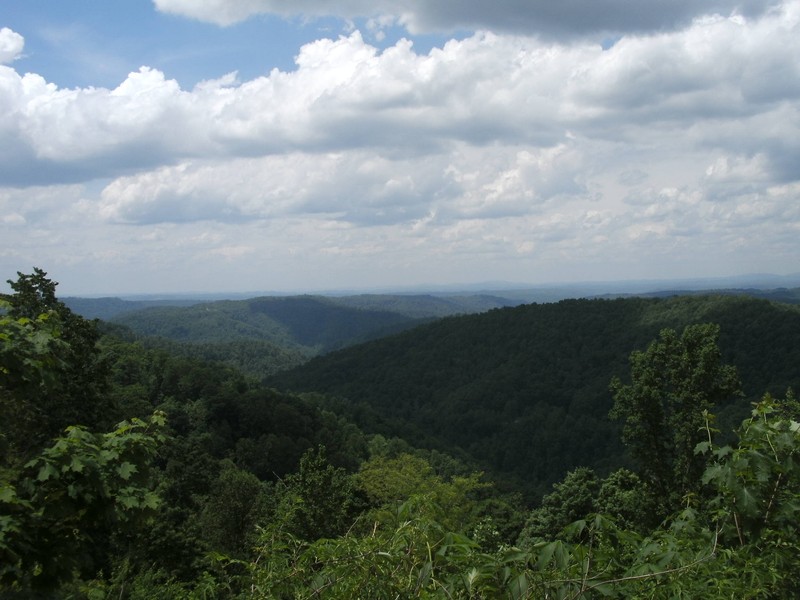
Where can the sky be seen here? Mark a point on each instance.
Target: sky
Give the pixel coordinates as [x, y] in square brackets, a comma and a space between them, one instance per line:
[174, 146]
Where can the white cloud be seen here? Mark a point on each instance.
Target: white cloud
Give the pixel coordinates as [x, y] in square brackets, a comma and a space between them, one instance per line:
[11, 45]
[486, 89]
[497, 152]
[357, 187]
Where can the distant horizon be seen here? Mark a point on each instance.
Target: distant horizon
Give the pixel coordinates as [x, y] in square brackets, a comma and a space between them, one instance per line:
[644, 285]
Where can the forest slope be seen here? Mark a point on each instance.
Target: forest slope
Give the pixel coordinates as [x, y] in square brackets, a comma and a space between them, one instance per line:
[309, 323]
[415, 306]
[524, 390]
[261, 336]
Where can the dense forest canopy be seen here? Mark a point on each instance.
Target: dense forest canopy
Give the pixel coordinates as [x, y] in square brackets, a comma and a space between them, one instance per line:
[131, 471]
[524, 391]
[413, 306]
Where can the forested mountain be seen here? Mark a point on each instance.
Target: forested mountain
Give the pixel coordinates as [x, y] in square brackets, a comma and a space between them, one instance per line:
[423, 306]
[426, 306]
[415, 306]
[264, 335]
[307, 323]
[129, 472]
[109, 307]
[525, 390]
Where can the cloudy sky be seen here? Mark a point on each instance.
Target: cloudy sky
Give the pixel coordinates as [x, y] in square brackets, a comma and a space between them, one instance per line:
[238, 145]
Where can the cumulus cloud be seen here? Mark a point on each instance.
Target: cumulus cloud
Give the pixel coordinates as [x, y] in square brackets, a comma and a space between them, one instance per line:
[357, 187]
[541, 17]
[496, 148]
[11, 45]
[485, 89]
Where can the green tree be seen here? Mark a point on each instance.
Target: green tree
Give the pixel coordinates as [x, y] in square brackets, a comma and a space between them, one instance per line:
[406, 555]
[237, 503]
[625, 499]
[76, 393]
[58, 513]
[29, 360]
[621, 496]
[69, 501]
[758, 495]
[389, 482]
[318, 501]
[665, 408]
[572, 499]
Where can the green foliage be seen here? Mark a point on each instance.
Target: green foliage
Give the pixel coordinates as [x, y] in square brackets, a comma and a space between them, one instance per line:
[665, 408]
[29, 360]
[401, 549]
[758, 480]
[621, 497]
[54, 513]
[624, 497]
[257, 358]
[318, 501]
[571, 499]
[301, 323]
[262, 494]
[393, 480]
[52, 373]
[738, 549]
[388, 482]
[176, 541]
[28, 352]
[523, 392]
[407, 556]
[237, 502]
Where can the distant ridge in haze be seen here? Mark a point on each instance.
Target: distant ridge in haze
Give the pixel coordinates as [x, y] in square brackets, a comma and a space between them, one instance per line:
[525, 292]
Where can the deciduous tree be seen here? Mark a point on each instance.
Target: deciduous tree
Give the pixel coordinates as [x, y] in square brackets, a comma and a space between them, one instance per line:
[664, 409]
[77, 392]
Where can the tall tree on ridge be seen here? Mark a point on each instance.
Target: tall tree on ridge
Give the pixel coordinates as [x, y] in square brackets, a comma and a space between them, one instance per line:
[78, 393]
[666, 408]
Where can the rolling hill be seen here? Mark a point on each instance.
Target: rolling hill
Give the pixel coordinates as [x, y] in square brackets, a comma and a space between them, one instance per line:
[308, 323]
[524, 390]
[263, 335]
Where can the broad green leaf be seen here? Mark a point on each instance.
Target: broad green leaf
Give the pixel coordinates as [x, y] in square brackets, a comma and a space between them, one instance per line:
[424, 574]
[46, 472]
[746, 500]
[723, 452]
[545, 555]
[128, 501]
[8, 494]
[151, 500]
[126, 469]
[519, 587]
[516, 555]
[605, 589]
[702, 448]
[109, 455]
